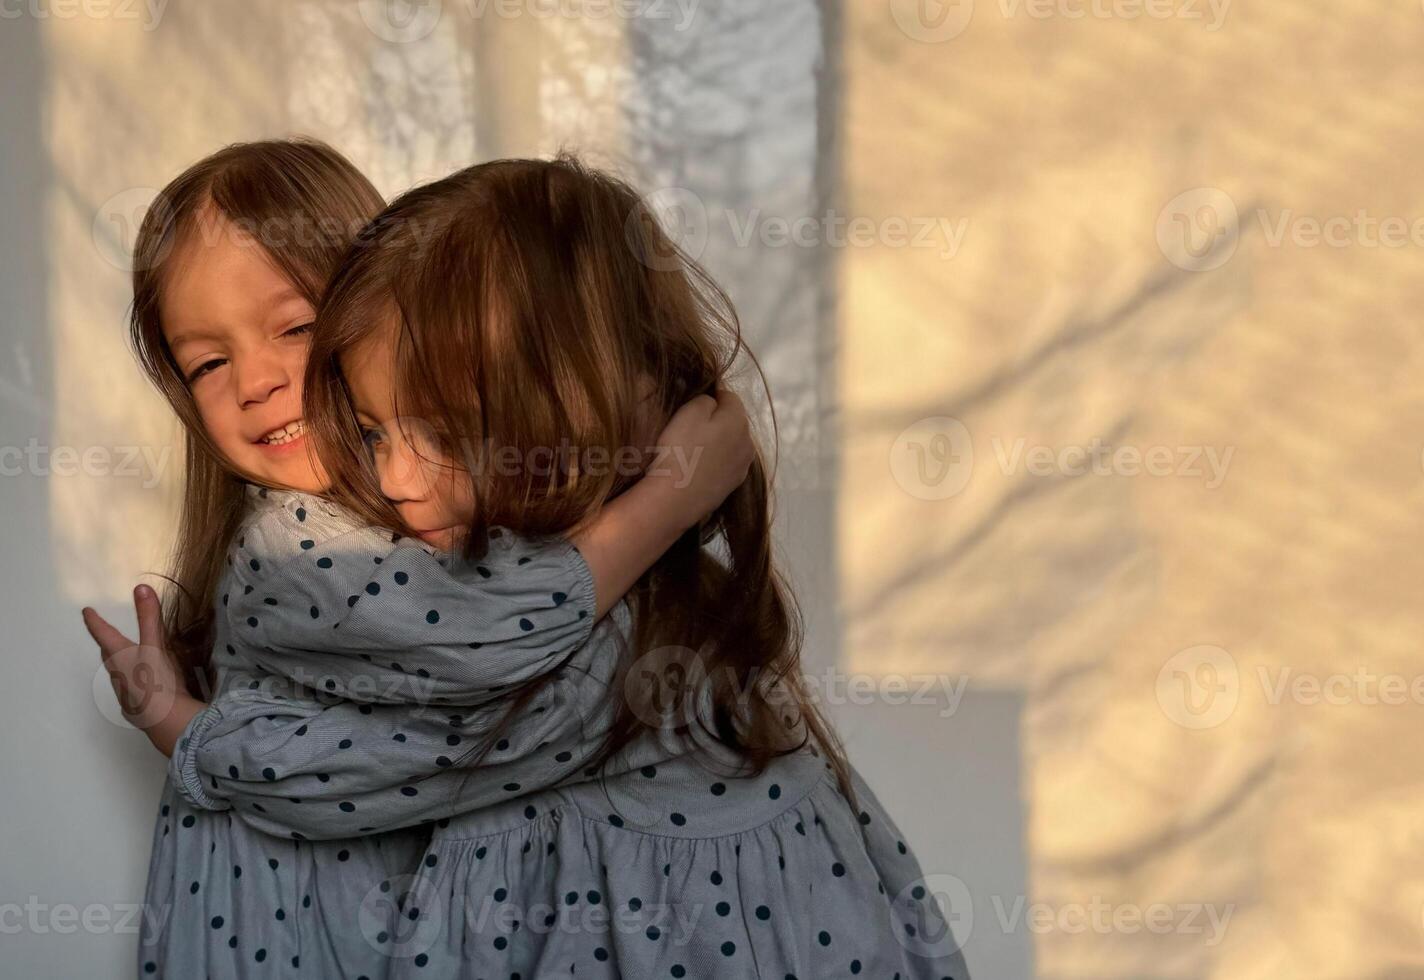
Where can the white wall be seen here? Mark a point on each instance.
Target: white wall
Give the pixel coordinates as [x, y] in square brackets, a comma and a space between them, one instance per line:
[99, 111]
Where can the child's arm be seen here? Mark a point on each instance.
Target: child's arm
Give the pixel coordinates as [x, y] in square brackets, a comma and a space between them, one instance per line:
[533, 602]
[361, 618]
[365, 619]
[703, 455]
[294, 767]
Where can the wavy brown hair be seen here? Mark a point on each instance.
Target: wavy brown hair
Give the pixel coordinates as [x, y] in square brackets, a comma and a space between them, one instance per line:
[534, 304]
[315, 201]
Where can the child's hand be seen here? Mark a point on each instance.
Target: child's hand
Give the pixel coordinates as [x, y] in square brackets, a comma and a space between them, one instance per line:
[703, 454]
[146, 679]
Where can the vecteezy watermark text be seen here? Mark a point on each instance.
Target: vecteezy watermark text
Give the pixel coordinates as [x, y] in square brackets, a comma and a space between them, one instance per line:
[934, 459]
[145, 463]
[937, 21]
[1100, 459]
[150, 12]
[1201, 687]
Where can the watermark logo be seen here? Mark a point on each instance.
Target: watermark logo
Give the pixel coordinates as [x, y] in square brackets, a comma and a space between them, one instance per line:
[682, 216]
[932, 21]
[401, 21]
[400, 918]
[940, 915]
[1199, 687]
[666, 687]
[135, 687]
[933, 459]
[114, 230]
[1198, 230]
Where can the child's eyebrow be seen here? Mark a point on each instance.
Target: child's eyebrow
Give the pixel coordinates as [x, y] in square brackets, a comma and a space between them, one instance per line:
[284, 297]
[184, 338]
[277, 302]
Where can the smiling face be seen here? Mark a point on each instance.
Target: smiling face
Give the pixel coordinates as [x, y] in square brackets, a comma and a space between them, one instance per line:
[433, 494]
[239, 330]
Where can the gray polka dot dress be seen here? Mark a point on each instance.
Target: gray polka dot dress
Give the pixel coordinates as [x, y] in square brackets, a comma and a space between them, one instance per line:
[386, 664]
[225, 900]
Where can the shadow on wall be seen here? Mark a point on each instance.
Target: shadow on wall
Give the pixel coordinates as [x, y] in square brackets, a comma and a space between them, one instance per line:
[46, 680]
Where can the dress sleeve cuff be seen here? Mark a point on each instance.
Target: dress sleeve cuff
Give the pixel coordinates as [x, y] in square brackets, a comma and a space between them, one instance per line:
[587, 597]
[183, 766]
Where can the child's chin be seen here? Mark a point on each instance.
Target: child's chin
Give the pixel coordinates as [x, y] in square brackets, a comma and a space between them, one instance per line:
[295, 473]
[446, 539]
[298, 474]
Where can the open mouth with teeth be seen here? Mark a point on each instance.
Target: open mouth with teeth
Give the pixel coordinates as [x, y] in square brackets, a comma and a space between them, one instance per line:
[288, 433]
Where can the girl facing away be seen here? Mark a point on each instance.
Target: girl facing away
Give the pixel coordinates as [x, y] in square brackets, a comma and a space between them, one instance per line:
[230, 264]
[652, 796]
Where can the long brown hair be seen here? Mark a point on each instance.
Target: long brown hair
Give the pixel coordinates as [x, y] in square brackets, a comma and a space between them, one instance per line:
[533, 304]
[304, 203]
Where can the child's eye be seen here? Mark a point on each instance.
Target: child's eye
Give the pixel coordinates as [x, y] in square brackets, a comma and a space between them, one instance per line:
[371, 438]
[204, 368]
[299, 329]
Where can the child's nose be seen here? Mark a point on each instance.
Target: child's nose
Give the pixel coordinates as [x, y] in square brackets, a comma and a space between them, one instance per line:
[399, 474]
[258, 378]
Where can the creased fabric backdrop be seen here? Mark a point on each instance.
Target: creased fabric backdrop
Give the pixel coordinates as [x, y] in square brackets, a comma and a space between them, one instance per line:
[1092, 331]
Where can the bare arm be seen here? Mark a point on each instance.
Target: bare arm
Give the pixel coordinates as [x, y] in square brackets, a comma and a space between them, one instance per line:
[703, 455]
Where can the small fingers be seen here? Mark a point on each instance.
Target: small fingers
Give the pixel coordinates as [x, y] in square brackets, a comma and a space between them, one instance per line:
[150, 616]
[110, 640]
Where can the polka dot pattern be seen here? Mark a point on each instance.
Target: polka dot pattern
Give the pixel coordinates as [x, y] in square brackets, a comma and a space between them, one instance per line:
[798, 882]
[832, 902]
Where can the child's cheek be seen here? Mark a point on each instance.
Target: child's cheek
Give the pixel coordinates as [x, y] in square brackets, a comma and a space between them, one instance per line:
[459, 495]
[218, 418]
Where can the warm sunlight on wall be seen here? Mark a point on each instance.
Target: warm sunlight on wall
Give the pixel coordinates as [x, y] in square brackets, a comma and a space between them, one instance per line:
[1096, 354]
[1050, 315]
[403, 113]
[115, 521]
